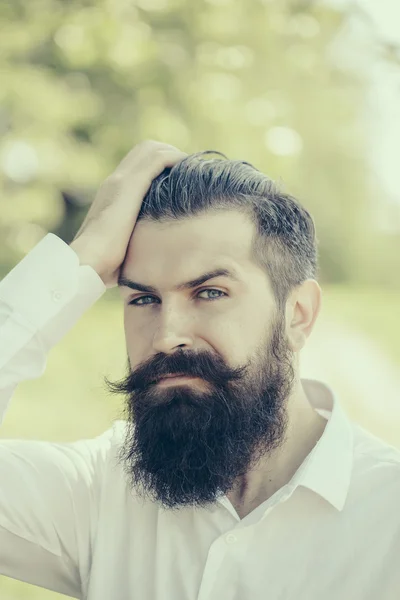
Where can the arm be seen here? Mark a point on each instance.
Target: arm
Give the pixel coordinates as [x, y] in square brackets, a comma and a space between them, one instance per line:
[48, 491]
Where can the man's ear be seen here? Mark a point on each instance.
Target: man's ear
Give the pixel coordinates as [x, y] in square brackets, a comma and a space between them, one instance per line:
[302, 310]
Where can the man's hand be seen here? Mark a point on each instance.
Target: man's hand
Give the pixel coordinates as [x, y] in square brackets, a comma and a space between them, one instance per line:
[103, 238]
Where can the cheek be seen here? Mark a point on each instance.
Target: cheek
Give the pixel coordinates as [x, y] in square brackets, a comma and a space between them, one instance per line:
[137, 323]
[252, 333]
[136, 338]
[237, 333]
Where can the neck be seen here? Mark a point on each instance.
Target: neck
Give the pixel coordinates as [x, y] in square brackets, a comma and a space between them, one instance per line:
[304, 429]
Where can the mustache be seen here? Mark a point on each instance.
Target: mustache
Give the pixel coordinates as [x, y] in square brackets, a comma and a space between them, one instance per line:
[210, 368]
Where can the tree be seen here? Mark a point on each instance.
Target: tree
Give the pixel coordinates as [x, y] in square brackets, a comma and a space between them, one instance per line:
[88, 80]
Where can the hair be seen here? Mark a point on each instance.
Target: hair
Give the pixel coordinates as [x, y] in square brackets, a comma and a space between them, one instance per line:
[284, 243]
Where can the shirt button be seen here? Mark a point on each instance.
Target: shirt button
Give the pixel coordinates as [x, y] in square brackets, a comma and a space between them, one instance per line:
[230, 538]
[57, 296]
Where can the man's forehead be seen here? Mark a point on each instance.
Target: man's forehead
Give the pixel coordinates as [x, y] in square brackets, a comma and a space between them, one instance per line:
[172, 255]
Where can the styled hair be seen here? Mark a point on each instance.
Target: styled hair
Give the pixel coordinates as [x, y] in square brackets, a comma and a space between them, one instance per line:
[284, 242]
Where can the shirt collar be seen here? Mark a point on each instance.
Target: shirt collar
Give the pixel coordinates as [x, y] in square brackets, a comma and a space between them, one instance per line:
[327, 469]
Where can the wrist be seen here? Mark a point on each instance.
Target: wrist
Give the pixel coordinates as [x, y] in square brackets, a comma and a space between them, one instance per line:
[85, 254]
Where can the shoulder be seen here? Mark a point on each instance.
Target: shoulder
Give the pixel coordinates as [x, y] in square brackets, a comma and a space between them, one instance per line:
[374, 458]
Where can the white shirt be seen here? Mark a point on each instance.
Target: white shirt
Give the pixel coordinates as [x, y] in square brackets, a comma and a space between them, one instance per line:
[70, 523]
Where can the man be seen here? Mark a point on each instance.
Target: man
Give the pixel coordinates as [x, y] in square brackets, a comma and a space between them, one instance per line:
[230, 477]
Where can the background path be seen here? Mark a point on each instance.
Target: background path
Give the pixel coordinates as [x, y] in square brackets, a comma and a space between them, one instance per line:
[364, 378]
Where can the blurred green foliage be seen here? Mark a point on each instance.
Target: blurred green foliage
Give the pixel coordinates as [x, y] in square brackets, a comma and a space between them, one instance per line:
[82, 82]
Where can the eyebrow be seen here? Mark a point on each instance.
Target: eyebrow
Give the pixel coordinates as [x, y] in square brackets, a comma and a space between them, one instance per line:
[218, 272]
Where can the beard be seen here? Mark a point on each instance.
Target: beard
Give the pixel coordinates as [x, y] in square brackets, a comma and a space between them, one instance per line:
[187, 444]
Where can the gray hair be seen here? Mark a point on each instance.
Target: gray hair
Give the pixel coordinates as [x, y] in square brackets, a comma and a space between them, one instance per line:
[284, 243]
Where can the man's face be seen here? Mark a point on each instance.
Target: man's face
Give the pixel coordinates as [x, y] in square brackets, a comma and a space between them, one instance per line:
[187, 442]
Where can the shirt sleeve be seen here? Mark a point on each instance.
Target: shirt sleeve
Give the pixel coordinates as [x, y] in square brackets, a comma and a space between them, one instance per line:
[49, 492]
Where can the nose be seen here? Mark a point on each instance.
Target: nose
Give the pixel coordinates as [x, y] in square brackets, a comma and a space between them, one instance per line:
[172, 333]
[169, 342]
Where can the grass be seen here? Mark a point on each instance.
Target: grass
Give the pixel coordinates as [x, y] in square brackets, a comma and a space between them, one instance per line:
[375, 312]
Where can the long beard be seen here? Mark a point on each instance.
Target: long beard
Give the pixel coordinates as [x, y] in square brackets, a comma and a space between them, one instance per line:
[186, 445]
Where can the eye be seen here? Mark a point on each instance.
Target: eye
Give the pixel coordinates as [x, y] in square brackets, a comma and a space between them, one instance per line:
[211, 290]
[135, 301]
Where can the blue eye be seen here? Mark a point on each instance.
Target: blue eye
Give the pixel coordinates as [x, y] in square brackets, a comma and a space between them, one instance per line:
[135, 301]
[212, 290]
